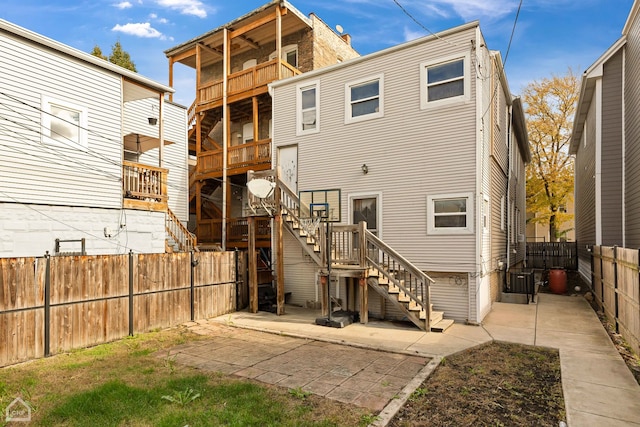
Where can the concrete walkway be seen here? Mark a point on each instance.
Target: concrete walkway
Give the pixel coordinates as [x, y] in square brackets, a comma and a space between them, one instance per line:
[598, 387]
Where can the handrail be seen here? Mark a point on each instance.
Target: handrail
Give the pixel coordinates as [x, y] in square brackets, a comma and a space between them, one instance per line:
[185, 239]
[191, 114]
[144, 182]
[401, 272]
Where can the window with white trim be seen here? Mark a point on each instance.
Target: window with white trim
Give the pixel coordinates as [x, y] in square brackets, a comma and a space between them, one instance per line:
[364, 99]
[63, 124]
[289, 53]
[307, 111]
[450, 214]
[445, 81]
[502, 218]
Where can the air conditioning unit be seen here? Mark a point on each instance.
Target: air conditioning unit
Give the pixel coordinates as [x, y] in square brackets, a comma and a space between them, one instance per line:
[520, 238]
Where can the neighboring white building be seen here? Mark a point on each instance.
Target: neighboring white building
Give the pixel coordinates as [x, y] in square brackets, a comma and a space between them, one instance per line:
[425, 141]
[79, 158]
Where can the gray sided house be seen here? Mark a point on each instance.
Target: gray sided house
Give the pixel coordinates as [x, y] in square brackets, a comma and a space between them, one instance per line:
[605, 134]
[426, 143]
[88, 150]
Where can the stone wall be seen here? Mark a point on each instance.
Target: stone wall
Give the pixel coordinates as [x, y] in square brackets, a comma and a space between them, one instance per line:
[328, 47]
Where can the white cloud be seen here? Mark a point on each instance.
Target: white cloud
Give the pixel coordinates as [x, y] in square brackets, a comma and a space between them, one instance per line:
[153, 16]
[412, 35]
[163, 20]
[475, 9]
[139, 30]
[186, 7]
[123, 5]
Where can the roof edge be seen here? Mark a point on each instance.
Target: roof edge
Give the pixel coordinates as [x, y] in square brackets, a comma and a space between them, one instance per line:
[520, 128]
[633, 14]
[39, 39]
[401, 46]
[190, 43]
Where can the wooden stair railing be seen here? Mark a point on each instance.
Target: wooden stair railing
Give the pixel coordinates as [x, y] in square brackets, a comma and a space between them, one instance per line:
[410, 283]
[185, 240]
[292, 211]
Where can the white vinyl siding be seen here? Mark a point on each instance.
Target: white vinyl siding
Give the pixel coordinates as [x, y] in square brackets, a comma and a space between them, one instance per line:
[175, 148]
[307, 112]
[444, 81]
[364, 99]
[63, 124]
[33, 172]
[440, 161]
[450, 213]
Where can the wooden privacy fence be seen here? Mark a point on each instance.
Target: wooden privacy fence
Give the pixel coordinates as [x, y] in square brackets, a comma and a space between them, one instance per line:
[50, 305]
[552, 254]
[616, 286]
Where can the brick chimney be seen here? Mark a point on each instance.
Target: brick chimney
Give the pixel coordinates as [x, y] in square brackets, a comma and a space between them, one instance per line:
[346, 38]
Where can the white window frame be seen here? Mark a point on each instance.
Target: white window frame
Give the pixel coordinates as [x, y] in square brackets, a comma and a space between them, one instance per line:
[486, 214]
[284, 51]
[300, 111]
[502, 212]
[45, 120]
[348, 115]
[367, 195]
[465, 97]
[432, 229]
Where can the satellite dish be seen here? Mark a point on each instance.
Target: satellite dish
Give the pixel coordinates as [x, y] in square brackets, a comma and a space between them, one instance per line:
[339, 28]
[261, 188]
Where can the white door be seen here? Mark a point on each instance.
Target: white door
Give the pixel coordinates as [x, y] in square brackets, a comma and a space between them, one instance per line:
[247, 132]
[288, 166]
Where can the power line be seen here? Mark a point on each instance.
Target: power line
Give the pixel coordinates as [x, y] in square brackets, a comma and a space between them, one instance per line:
[406, 12]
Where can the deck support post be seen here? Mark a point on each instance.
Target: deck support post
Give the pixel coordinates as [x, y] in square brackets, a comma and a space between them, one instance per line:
[253, 267]
[364, 299]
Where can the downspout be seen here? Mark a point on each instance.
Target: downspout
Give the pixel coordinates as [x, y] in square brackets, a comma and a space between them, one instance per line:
[225, 135]
[476, 276]
[507, 197]
[624, 148]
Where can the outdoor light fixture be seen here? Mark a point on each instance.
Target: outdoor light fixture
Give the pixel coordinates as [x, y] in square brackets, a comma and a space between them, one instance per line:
[365, 169]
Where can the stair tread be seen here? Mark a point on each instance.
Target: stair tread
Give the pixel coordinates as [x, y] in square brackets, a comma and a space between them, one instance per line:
[442, 325]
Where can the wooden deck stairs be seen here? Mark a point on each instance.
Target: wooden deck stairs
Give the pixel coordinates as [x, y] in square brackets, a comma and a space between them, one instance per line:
[386, 271]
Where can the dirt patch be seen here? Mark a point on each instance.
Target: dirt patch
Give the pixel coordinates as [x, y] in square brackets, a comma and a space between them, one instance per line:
[496, 384]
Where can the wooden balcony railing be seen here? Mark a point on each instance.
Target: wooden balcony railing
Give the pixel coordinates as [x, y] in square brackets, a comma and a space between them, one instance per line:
[245, 80]
[210, 231]
[144, 182]
[242, 156]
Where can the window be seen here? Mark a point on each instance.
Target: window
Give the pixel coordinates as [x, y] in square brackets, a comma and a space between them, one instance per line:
[449, 214]
[63, 124]
[502, 207]
[289, 54]
[364, 99]
[307, 108]
[444, 82]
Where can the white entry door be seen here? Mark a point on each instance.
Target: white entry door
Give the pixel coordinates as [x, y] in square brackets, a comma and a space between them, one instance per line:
[288, 166]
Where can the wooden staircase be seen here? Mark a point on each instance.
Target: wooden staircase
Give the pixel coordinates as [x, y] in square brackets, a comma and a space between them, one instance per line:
[386, 272]
[178, 238]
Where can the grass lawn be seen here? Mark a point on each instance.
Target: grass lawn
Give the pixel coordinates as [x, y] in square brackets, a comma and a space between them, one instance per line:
[124, 383]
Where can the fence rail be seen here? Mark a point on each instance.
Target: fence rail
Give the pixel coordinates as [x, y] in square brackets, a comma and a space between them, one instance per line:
[616, 286]
[552, 254]
[50, 305]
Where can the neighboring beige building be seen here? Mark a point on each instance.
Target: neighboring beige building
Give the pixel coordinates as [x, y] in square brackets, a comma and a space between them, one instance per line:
[537, 232]
[425, 142]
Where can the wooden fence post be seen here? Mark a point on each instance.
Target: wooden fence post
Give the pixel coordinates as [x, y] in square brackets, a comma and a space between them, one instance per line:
[193, 264]
[615, 286]
[130, 293]
[47, 306]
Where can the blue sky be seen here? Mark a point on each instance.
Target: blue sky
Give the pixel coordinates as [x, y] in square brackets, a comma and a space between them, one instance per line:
[550, 35]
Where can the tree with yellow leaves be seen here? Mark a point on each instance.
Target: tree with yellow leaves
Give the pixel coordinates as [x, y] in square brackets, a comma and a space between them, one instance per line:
[550, 105]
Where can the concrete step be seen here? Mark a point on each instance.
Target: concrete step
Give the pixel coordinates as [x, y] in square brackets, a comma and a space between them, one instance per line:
[442, 325]
[436, 316]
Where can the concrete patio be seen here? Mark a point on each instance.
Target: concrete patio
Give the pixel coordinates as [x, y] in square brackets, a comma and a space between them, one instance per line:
[598, 387]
